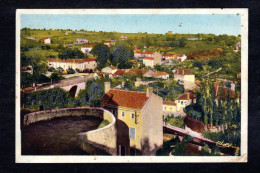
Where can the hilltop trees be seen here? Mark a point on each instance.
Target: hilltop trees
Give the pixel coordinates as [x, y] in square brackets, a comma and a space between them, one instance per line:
[69, 53]
[103, 54]
[121, 54]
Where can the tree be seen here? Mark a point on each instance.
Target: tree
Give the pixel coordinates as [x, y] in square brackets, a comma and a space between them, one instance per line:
[103, 54]
[182, 43]
[69, 53]
[95, 94]
[121, 54]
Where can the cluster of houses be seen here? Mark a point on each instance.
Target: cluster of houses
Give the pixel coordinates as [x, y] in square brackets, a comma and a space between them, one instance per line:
[76, 64]
[150, 59]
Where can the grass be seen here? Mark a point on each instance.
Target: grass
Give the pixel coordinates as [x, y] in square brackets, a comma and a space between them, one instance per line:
[103, 124]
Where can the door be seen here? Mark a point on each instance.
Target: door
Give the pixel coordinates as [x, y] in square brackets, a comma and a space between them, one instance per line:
[122, 150]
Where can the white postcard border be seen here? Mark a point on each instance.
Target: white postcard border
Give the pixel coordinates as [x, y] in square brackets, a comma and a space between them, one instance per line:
[139, 159]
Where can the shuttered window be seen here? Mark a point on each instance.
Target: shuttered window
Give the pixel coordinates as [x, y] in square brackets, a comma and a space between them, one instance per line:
[132, 133]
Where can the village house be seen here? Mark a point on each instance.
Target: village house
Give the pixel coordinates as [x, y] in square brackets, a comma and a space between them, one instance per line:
[80, 64]
[181, 57]
[109, 43]
[138, 54]
[109, 70]
[169, 107]
[148, 61]
[142, 72]
[168, 57]
[184, 100]
[162, 75]
[123, 37]
[184, 75]
[119, 73]
[194, 39]
[81, 41]
[87, 48]
[139, 120]
[47, 40]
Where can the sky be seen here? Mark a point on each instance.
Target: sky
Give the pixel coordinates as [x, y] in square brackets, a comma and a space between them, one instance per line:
[132, 23]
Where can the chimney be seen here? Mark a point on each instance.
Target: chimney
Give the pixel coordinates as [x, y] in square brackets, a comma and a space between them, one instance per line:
[107, 86]
[149, 91]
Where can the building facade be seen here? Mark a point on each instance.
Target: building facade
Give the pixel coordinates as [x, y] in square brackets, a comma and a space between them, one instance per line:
[184, 75]
[138, 120]
[80, 64]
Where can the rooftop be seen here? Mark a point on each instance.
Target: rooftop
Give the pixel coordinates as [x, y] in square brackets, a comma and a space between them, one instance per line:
[119, 72]
[72, 60]
[128, 99]
[160, 74]
[182, 71]
[186, 96]
[150, 58]
[137, 71]
[169, 103]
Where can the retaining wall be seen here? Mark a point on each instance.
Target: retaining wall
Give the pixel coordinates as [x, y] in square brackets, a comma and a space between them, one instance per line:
[102, 138]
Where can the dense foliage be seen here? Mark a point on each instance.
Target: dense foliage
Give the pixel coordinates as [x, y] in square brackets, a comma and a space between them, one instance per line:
[175, 121]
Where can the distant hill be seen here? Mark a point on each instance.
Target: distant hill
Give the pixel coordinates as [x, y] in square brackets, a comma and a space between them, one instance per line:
[205, 55]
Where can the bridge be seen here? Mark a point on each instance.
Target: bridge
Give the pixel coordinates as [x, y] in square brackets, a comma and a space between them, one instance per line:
[183, 132]
[75, 88]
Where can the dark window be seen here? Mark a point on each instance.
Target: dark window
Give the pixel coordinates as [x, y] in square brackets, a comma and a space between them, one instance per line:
[132, 152]
[122, 150]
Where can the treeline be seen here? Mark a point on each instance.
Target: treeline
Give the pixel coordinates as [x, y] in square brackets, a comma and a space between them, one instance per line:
[221, 111]
[118, 55]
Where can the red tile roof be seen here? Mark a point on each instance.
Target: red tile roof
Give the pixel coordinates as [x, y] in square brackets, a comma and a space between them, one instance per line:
[182, 71]
[150, 58]
[135, 71]
[185, 96]
[138, 51]
[169, 103]
[167, 55]
[160, 74]
[148, 53]
[88, 59]
[72, 60]
[128, 99]
[119, 72]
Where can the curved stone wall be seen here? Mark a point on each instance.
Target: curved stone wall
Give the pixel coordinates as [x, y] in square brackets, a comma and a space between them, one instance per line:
[102, 138]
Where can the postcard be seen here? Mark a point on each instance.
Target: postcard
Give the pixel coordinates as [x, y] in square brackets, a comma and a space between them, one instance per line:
[131, 85]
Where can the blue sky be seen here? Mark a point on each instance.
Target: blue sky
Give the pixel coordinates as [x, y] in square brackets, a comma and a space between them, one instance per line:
[132, 23]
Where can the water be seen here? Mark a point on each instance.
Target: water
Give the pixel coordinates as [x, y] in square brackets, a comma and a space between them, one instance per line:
[57, 136]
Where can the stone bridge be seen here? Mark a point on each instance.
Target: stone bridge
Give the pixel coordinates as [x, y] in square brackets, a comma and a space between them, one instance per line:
[75, 88]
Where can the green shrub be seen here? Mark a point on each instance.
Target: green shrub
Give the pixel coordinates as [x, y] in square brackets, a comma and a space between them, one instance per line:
[70, 71]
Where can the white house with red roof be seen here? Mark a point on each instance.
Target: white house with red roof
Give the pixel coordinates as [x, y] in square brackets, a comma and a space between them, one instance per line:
[138, 54]
[80, 64]
[181, 57]
[162, 75]
[47, 40]
[184, 75]
[184, 100]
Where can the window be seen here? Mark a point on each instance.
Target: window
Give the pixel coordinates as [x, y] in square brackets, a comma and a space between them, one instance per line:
[132, 115]
[170, 109]
[165, 108]
[182, 102]
[132, 133]
[179, 101]
[123, 113]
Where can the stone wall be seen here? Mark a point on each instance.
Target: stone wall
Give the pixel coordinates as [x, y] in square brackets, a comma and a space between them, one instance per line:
[103, 138]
